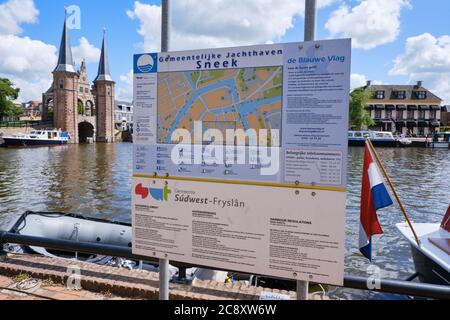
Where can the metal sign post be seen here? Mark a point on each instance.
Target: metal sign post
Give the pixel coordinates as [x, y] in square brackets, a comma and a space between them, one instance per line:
[165, 36]
[310, 32]
[165, 25]
[302, 290]
[310, 20]
[164, 279]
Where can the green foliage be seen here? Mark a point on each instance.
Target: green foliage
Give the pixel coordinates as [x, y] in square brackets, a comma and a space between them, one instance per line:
[7, 96]
[80, 107]
[359, 116]
[195, 76]
[273, 92]
[50, 113]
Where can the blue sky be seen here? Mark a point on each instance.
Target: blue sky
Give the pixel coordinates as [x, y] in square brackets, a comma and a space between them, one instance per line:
[381, 29]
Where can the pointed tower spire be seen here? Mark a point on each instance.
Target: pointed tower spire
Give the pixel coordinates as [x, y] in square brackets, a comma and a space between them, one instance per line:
[65, 60]
[83, 66]
[103, 68]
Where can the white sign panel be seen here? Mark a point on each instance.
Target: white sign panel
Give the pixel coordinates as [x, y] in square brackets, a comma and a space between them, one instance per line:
[272, 296]
[283, 232]
[257, 125]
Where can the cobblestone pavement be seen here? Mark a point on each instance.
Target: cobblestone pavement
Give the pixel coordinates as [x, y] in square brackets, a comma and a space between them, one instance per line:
[33, 289]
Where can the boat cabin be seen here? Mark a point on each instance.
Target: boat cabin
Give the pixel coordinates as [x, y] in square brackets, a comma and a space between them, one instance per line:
[374, 135]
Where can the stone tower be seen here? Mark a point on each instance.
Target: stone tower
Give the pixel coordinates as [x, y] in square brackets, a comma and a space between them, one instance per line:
[86, 112]
[65, 80]
[104, 88]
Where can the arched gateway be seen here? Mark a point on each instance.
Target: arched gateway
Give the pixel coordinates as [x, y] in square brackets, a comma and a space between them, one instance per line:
[85, 131]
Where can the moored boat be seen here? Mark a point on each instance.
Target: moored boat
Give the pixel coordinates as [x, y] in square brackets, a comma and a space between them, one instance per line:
[432, 257]
[37, 138]
[378, 139]
[439, 141]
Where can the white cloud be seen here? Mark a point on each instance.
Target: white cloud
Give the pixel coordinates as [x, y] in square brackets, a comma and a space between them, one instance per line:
[371, 23]
[127, 78]
[31, 89]
[426, 58]
[215, 23]
[357, 80]
[150, 28]
[125, 87]
[15, 12]
[87, 51]
[219, 23]
[23, 56]
[28, 63]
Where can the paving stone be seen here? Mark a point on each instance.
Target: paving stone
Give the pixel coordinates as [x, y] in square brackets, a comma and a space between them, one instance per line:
[97, 280]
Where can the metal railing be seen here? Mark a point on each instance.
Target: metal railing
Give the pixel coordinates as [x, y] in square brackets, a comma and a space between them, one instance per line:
[23, 124]
[350, 282]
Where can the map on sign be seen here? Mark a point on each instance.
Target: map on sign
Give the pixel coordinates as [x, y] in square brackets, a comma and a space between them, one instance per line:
[246, 98]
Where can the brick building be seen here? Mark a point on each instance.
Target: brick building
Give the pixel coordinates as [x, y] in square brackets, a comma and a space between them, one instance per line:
[445, 118]
[75, 106]
[124, 112]
[31, 110]
[405, 109]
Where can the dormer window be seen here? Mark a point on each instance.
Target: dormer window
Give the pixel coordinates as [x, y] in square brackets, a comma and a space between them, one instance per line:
[380, 94]
[422, 95]
[400, 95]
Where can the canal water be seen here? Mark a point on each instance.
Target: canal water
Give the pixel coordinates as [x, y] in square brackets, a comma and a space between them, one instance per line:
[95, 180]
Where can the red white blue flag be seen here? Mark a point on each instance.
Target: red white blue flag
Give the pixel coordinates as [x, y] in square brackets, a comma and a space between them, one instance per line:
[374, 196]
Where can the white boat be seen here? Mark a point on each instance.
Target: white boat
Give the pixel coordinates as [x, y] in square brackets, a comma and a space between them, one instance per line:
[404, 141]
[378, 139]
[440, 141]
[432, 257]
[37, 138]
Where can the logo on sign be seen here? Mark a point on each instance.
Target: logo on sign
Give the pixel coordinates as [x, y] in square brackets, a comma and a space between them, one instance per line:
[156, 193]
[146, 63]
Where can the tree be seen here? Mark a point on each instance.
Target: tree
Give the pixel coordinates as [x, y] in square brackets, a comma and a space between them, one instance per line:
[80, 107]
[359, 117]
[7, 96]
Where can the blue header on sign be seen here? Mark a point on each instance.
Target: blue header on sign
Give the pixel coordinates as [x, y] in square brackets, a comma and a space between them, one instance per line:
[146, 63]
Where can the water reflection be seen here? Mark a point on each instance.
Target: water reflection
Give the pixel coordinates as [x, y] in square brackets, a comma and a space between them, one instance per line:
[95, 180]
[92, 180]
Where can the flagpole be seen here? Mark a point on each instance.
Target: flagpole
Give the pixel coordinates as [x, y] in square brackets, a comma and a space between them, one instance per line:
[393, 189]
[164, 273]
